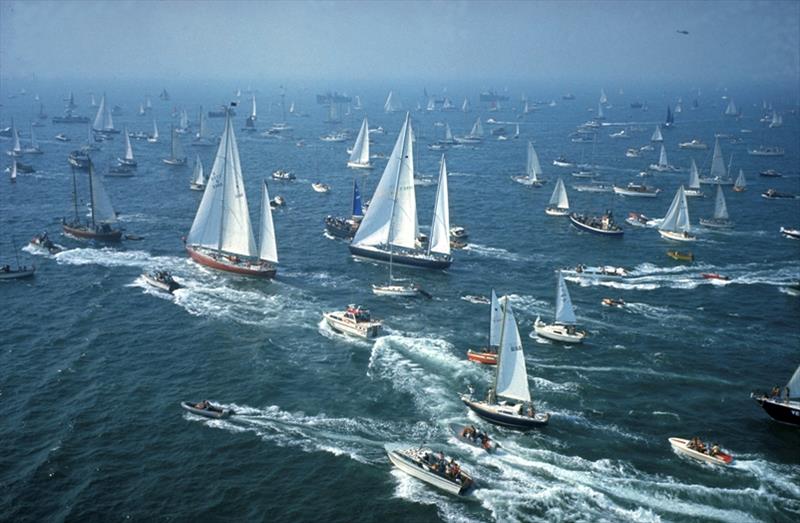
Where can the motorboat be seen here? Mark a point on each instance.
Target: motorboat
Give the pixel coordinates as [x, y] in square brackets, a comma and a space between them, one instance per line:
[766, 151]
[476, 299]
[595, 186]
[583, 173]
[715, 276]
[783, 407]
[162, 280]
[563, 329]
[694, 144]
[339, 227]
[791, 233]
[278, 201]
[280, 174]
[22, 271]
[61, 137]
[696, 449]
[637, 190]
[459, 233]
[637, 219]
[604, 272]
[562, 161]
[432, 468]
[770, 173]
[622, 134]
[772, 194]
[321, 187]
[681, 256]
[632, 153]
[207, 409]
[474, 437]
[335, 137]
[354, 321]
[613, 302]
[43, 241]
[603, 224]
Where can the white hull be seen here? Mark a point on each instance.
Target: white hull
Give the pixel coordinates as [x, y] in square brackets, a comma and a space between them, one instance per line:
[558, 332]
[422, 474]
[676, 236]
[679, 445]
[356, 165]
[556, 211]
[197, 186]
[638, 194]
[365, 330]
[693, 193]
[394, 290]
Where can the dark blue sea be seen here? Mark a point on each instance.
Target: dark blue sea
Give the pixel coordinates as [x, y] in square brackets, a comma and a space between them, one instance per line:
[94, 364]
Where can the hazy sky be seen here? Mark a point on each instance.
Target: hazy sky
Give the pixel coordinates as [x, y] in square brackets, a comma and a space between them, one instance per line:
[387, 40]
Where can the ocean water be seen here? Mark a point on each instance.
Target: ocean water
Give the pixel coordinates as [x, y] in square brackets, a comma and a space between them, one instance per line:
[93, 363]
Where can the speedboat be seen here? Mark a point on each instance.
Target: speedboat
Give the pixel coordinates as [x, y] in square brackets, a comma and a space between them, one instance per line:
[7, 273]
[791, 233]
[620, 135]
[603, 224]
[714, 276]
[208, 410]
[432, 468]
[457, 232]
[162, 280]
[561, 161]
[485, 356]
[43, 241]
[696, 449]
[280, 174]
[770, 173]
[681, 256]
[61, 137]
[334, 137]
[772, 194]
[637, 219]
[276, 202]
[474, 437]
[636, 189]
[595, 186]
[478, 300]
[355, 321]
[339, 227]
[694, 144]
[766, 151]
[606, 272]
[632, 153]
[613, 302]
[321, 187]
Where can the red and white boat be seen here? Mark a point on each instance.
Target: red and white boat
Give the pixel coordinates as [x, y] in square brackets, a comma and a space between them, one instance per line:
[702, 452]
[715, 276]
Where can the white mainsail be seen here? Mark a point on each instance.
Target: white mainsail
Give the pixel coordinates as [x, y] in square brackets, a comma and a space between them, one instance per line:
[511, 377]
[495, 322]
[177, 147]
[477, 129]
[17, 148]
[202, 132]
[439, 242]
[565, 313]
[390, 105]
[222, 221]
[184, 122]
[657, 137]
[600, 114]
[718, 162]
[431, 106]
[794, 384]
[102, 210]
[448, 133]
[603, 97]
[694, 176]
[13, 170]
[662, 158]
[103, 120]
[533, 167]
[360, 155]
[677, 217]
[392, 215]
[154, 136]
[128, 147]
[268, 248]
[465, 105]
[559, 198]
[34, 141]
[731, 110]
[720, 206]
[253, 108]
[740, 183]
[198, 177]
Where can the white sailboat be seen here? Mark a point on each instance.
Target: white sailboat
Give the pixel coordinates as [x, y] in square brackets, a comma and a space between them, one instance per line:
[663, 163]
[390, 226]
[177, 157]
[153, 138]
[600, 115]
[676, 224]
[183, 124]
[359, 158]
[741, 184]
[509, 401]
[34, 147]
[198, 180]
[720, 220]
[221, 236]
[694, 181]
[202, 138]
[563, 327]
[103, 121]
[533, 170]
[559, 203]
[603, 97]
[16, 149]
[777, 120]
[250, 122]
[128, 159]
[13, 175]
[657, 136]
[465, 107]
[718, 174]
[391, 106]
[731, 109]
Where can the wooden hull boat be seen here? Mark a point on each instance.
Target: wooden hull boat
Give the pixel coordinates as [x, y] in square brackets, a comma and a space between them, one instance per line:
[259, 269]
[165, 284]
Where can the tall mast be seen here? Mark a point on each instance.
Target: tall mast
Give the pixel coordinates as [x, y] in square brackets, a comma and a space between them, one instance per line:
[91, 190]
[436, 200]
[224, 178]
[500, 346]
[75, 195]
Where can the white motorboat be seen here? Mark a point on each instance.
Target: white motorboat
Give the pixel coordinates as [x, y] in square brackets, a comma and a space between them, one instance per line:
[321, 187]
[706, 453]
[766, 151]
[395, 289]
[563, 328]
[162, 280]
[694, 144]
[604, 272]
[61, 137]
[632, 153]
[432, 468]
[637, 190]
[561, 161]
[354, 321]
[791, 233]
[280, 174]
[620, 135]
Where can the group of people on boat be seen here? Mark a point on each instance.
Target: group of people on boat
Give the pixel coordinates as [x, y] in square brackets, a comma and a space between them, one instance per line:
[437, 463]
[204, 405]
[697, 444]
[476, 436]
[775, 393]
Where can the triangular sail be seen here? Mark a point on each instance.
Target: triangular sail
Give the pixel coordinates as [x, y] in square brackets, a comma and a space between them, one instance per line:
[533, 167]
[392, 214]
[731, 109]
[720, 207]
[202, 132]
[98, 118]
[511, 379]
[360, 154]
[694, 176]
[389, 106]
[657, 137]
[34, 141]
[222, 221]
[794, 384]
[495, 322]
[559, 198]
[448, 133]
[177, 147]
[677, 217]
[600, 114]
[358, 212]
[155, 131]
[13, 170]
[198, 177]
[184, 119]
[268, 248]
[440, 228]
[565, 313]
[477, 129]
[17, 148]
[741, 183]
[662, 157]
[718, 162]
[102, 210]
[253, 108]
[465, 105]
[128, 146]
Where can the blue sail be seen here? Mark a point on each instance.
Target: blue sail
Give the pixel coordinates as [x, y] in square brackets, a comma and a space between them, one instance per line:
[357, 200]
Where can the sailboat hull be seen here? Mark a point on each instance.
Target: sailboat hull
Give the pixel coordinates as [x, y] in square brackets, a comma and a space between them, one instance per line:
[421, 260]
[223, 263]
[356, 165]
[677, 236]
[87, 233]
[499, 416]
[785, 412]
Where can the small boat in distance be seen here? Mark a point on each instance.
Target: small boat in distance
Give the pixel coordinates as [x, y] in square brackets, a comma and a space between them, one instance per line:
[563, 328]
[773, 194]
[198, 182]
[177, 157]
[714, 276]
[533, 170]
[321, 187]
[559, 203]
[791, 233]
[720, 220]
[637, 219]
[770, 173]
[696, 449]
[637, 190]
[162, 280]
[208, 410]
[283, 175]
[764, 150]
[354, 321]
[345, 228]
[432, 468]
[359, 158]
[43, 241]
[694, 181]
[695, 144]
[681, 256]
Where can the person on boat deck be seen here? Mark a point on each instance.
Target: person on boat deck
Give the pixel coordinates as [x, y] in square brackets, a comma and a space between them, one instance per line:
[787, 394]
[490, 396]
[531, 411]
[776, 391]
[714, 450]
[202, 405]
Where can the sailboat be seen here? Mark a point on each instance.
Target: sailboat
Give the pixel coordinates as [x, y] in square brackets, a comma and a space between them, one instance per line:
[346, 228]
[475, 134]
[718, 174]
[740, 184]
[465, 107]
[777, 120]
[720, 220]
[600, 115]
[657, 136]
[731, 109]
[16, 149]
[563, 327]
[202, 138]
[13, 175]
[533, 170]
[153, 138]
[103, 121]
[359, 158]
[221, 236]
[694, 181]
[128, 159]
[670, 118]
[663, 164]
[508, 402]
[488, 355]
[559, 203]
[176, 150]
[183, 124]
[516, 133]
[603, 97]
[390, 226]
[34, 147]
[390, 106]
[783, 408]
[103, 217]
[250, 123]
[198, 180]
[676, 225]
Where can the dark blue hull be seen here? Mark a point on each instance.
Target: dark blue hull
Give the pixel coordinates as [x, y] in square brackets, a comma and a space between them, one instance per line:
[583, 227]
[512, 422]
[402, 259]
[783, 412]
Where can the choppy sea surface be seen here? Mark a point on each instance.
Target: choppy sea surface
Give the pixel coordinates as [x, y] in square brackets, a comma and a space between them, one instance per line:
[93, 363]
